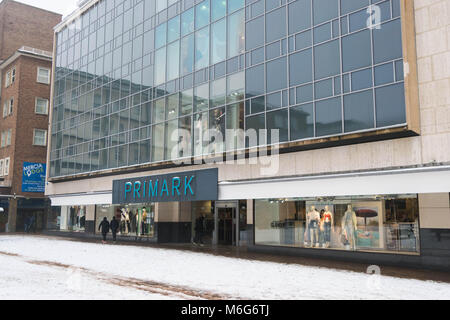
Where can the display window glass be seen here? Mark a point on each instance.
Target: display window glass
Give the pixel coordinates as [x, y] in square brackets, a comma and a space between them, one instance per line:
[72, 218]
[134, 220]
[369, 223]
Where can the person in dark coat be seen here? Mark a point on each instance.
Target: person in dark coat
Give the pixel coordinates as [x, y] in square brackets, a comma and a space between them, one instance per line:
[104, 226]
[199, 229]
[114, 228]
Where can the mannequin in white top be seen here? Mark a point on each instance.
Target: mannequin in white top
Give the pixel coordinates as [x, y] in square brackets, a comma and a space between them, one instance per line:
[312, 224]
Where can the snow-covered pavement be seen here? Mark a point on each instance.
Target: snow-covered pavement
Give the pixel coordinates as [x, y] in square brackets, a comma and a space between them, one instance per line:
[46, 268]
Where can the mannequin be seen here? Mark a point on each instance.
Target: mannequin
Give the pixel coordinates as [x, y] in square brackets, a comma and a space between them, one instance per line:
[136, 222]
[127, 220]
[328, 219]
[312, 224]
[144, 221]
[122, 221]
[349, 226]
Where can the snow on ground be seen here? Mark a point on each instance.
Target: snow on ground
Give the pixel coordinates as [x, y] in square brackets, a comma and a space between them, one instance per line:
[202, 273]
[20, 280]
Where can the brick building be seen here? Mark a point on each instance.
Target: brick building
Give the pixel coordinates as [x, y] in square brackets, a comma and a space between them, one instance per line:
[26, 39]
[24, 25]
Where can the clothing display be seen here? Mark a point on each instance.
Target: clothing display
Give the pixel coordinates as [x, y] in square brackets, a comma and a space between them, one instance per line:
[312, 225]
[349, 226]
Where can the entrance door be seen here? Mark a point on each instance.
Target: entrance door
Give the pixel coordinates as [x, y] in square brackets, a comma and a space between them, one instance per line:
[226, 224]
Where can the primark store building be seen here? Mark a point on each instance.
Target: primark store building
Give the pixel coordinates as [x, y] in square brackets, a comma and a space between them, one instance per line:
[299, 127]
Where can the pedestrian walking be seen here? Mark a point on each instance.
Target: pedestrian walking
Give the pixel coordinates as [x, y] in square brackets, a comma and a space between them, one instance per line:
[199, 229]
[104, 226]
[114, 228]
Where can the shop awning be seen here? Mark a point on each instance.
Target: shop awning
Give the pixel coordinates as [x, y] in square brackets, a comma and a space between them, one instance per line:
[82, 199]
[401, 181]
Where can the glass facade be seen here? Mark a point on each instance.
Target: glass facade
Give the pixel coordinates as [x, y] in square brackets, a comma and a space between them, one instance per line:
[130, 73]
[375, 223]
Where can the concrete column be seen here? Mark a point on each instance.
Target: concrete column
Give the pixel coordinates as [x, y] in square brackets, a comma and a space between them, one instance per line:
[90, 219]
[12, 215]
[434, 211]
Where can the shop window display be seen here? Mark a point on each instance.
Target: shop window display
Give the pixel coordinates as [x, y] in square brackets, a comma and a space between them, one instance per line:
[134, 220]
[72, 218]
[377, 223]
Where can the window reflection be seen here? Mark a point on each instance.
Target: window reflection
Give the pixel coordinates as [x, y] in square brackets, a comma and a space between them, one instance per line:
[372, 223]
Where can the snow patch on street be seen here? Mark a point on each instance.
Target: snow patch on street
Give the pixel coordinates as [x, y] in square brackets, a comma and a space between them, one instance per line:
[233, 277]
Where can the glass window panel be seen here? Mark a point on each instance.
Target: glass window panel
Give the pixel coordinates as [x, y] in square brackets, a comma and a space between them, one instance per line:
[235, 87]
[337, 85]
[325, 10]
[275, 25]
[173, 56]
[160, 35]
[390, 105]
[218, 9]
[186, 102]
[187, 55]
[327, 59]
[253, 35]
[257, 56]
[328, 117]
[144, 151]
[236, 35]
[173, 29]
[273, 50]
[399, 73]
[218, 92]
[258, 105]
[200, 132]
[218, 41]
[303, 40]
[299, 16]
[304, 93]
[362, 79]
[358, 20]
[388, 42]
[158, 136]
[160, 66]
[356, 50]
[358, 111]
[201, 98]
[217, 130]
[202, 14]
[324, 89]
[172, 106]
[322, 33]
[254, 82]
[235, 126]
[184, 137]
[396, 11]
[159, 110]
[348, 6]
[276, 74]
[171, 140]
[302, 122]
[277, 121]
[274, 101]
[202, 49]
[234, 5]
[161, 5]
[384, 74]
[187, 21]
[255, 123]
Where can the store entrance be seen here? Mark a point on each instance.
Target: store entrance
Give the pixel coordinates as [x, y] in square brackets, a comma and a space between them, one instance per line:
[227, 223]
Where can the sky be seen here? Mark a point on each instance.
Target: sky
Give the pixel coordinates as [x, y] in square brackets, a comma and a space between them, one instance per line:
[63, 7]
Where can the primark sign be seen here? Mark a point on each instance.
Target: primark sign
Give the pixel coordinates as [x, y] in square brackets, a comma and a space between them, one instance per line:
[199, 185]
